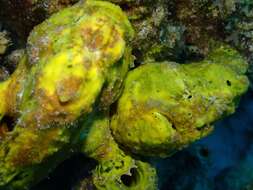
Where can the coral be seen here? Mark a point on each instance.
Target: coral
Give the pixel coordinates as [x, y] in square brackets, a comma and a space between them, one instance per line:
[26, 14]
[157, 37]
[71, 91]
[58, 84]
[115, 169]
[177, 104]
[238, 30]
[4, 42]
[11, 60]
[149, 19]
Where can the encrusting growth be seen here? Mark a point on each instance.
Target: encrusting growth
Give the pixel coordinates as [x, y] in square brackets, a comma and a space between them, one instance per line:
[76, 63]
[165, 106]
[59, 99]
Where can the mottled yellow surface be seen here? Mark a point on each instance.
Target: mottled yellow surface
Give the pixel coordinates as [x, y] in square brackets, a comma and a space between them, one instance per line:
[166, 106]
[77, 61]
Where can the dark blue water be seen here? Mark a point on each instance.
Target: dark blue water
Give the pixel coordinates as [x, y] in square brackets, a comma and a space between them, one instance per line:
[221, 161]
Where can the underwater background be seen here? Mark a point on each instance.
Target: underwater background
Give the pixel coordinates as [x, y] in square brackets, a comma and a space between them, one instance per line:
[223, 160]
